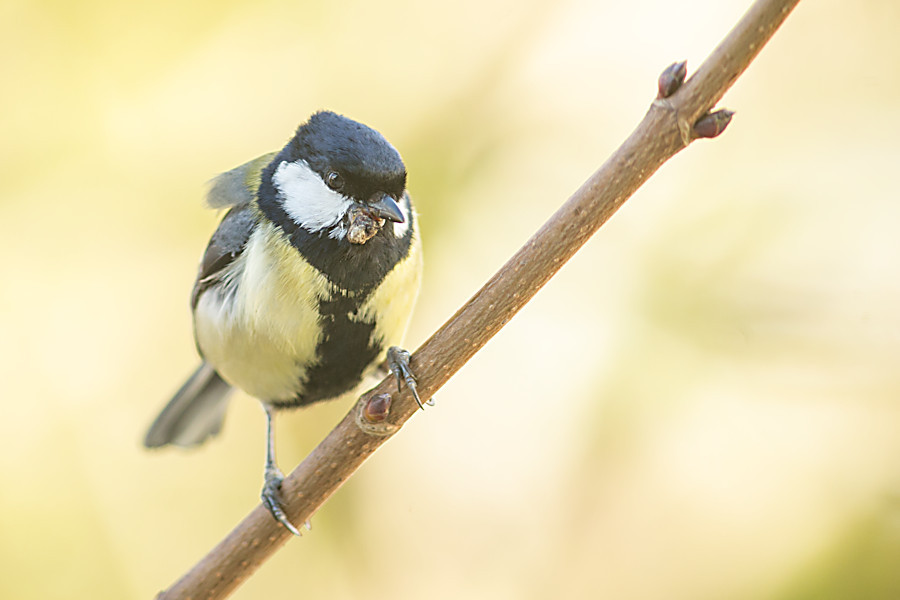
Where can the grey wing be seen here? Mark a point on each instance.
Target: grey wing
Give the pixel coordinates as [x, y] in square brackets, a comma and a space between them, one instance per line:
[225, 245]
[237, 186]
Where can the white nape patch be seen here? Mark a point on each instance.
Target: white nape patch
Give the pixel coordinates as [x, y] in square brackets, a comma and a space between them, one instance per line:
[307, 200]
[401, 228]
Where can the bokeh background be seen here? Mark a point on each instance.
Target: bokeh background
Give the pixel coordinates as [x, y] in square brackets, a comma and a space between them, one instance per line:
[702, 404]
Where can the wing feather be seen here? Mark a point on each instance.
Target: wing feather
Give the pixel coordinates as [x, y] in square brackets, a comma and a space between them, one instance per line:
[236, 189]
[225, 245]
[238, 186]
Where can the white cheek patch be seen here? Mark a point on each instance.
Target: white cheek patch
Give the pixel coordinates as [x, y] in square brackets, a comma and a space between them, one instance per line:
[400, 229]
[307, 200]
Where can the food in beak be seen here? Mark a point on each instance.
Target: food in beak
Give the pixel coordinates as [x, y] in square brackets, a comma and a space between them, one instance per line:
[363, 225]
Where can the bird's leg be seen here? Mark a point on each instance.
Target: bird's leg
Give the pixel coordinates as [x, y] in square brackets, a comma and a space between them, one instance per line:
[271, 492]
[398, 363]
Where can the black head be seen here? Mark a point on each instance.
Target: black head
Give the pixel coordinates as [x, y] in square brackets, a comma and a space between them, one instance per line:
[350, 157]
[339, 176]
[338, 190]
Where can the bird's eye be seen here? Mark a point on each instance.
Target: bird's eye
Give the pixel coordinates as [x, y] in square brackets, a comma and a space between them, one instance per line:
[334, 180]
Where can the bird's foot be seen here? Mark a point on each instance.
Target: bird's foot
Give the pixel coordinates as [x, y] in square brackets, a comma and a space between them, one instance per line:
[271, 498]
[398, 363]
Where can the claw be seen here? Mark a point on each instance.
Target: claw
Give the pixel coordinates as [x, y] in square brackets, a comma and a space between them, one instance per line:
[271, 497]
[398, 363]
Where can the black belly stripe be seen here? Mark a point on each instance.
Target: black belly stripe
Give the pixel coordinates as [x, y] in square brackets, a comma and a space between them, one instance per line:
[345, 352]
[346, 349]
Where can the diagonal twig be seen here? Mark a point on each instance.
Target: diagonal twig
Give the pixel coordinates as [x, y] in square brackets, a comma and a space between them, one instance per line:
[667, 128]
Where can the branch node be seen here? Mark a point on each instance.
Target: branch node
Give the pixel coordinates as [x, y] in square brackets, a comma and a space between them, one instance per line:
[685, 128]
[371, 416]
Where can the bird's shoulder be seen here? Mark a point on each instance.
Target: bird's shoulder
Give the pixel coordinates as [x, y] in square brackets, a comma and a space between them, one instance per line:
[235, 188]
[238, 186]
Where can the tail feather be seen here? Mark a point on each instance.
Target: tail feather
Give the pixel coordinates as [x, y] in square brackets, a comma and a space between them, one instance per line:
[195, 413]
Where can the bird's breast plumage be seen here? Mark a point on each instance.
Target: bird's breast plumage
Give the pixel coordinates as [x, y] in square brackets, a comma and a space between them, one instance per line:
[291, 335]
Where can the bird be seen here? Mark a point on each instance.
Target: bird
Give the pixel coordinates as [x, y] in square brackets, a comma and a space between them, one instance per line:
[306, 287]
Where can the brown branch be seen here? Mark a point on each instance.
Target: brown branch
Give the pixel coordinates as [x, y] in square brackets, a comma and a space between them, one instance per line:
[667, 128]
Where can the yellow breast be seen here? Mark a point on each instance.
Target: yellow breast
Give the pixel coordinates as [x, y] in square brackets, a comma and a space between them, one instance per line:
[261, 331]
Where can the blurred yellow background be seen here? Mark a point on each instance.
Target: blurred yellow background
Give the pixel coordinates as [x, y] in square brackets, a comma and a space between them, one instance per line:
[703, 404]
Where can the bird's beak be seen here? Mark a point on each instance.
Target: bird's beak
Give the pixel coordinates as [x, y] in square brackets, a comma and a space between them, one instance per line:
[384, 207]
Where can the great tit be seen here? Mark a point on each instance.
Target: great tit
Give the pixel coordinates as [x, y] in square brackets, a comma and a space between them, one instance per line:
[305, 288]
